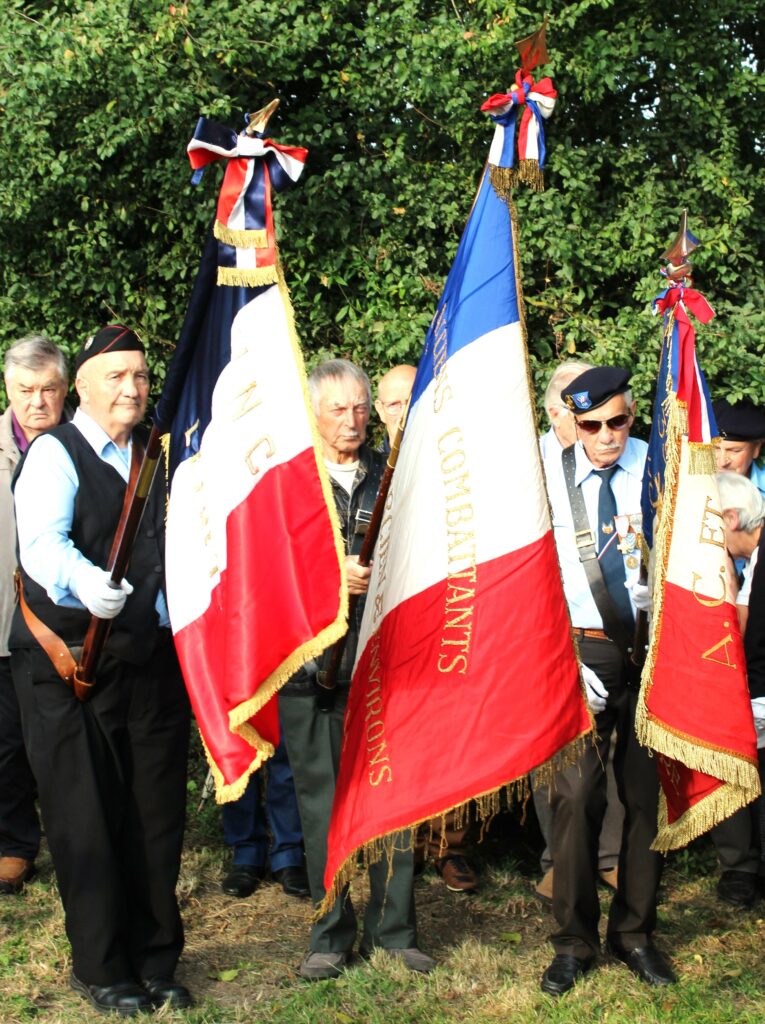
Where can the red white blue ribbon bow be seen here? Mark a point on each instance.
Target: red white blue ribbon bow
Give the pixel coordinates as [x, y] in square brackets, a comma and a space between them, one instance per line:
[244, 223]
[535, 102]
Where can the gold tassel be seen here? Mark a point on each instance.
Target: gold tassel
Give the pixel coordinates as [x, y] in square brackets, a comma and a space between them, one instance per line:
[255, 239]
[701, 459]
[251, 277]
[526, 172]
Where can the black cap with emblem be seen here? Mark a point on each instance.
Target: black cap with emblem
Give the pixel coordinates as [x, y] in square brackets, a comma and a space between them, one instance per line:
[595, 387]
[114, 338]
[742, 421]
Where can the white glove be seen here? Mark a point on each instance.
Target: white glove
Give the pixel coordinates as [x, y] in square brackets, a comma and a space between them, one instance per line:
[93, 586]
[641, 595]
[758, 710]
[597, 694]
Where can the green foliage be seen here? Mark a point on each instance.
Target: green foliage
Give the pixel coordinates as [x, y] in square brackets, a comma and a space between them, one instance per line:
[659, 108]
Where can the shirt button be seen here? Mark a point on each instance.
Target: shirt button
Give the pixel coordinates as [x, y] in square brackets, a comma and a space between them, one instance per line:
[158, 568]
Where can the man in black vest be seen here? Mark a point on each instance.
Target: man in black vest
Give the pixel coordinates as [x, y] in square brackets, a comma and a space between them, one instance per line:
[110, 771]
[594, 480]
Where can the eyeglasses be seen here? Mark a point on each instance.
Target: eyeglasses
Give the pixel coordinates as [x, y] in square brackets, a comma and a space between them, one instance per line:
[595, 426]
[392, 407]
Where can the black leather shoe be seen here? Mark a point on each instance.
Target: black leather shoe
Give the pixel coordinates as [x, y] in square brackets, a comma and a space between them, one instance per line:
[739, 888]
[166, 990]
[242, 880]
[647, 962]
[293, 880]
[124, 997]
[564, 972]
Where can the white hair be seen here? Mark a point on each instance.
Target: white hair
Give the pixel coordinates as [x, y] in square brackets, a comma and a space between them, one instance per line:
[738, 494]
[562, 375]
[335, 369]
[34, 352]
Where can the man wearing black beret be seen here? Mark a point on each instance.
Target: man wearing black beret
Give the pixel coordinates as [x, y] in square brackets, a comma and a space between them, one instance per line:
[111, 771]
[596, 479]
[742, 430]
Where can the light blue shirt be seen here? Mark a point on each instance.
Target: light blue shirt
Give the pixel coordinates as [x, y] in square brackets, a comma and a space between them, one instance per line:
[627, 485]
[44, 497]
[757, 476]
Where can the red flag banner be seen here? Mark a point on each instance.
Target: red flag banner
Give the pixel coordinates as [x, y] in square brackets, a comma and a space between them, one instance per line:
[694, 709]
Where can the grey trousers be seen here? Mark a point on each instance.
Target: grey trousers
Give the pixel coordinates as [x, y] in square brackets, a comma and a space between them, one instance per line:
[313, 741]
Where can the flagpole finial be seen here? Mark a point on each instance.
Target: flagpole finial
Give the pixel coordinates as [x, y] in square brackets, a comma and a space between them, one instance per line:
[256, 123]
[678, 265]
[533, 49]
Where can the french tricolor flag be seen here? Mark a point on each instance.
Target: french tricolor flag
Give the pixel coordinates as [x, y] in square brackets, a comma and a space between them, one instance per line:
[694, 708]
[254, 580]
[466, 676]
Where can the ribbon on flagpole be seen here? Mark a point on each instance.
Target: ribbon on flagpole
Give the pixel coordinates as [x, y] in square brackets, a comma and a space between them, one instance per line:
[534, 102]
[244, 222]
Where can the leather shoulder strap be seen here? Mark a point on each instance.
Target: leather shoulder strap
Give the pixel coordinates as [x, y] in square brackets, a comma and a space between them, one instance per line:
[588, 556]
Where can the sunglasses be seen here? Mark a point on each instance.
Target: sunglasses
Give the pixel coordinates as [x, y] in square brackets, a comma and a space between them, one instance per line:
[594, 426]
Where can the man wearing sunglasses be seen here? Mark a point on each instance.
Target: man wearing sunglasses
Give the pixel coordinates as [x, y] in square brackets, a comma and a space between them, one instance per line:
[593, 486]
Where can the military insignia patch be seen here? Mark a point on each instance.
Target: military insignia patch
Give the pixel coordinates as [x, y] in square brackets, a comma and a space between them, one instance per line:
[581, 399]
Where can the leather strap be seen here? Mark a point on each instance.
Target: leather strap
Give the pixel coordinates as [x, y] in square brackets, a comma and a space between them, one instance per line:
[60, 656]
[588, 556]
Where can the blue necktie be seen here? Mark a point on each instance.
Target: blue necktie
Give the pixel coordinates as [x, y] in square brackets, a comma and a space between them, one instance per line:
[612, 560]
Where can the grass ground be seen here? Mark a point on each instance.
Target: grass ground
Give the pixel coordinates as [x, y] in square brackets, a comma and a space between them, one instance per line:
[491, 948]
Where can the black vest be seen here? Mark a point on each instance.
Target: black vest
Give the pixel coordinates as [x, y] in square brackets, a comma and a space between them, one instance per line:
[96, 514]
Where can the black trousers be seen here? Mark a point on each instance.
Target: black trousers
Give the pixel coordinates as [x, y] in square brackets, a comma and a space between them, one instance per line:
[578, 800]
[111, 776]
[313, 741]
[19, 824]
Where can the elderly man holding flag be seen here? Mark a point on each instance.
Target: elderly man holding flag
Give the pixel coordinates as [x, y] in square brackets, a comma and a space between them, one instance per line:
[595, 487]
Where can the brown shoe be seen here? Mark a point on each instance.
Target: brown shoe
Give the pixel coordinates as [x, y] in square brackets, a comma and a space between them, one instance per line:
[610, 877]
[544, 887]
[457, 873]
[14, 871]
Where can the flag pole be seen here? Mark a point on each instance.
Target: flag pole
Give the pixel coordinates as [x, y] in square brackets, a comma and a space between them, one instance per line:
[98, 630]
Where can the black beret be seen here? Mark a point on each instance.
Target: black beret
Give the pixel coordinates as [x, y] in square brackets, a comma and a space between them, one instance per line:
[595, 387]
[740, 422]
[114, 338]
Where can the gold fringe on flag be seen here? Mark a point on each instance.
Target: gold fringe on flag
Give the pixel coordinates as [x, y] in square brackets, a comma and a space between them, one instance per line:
[701, 459]
[247, 277]
[254, 239]
[487, 806]
[526, 172]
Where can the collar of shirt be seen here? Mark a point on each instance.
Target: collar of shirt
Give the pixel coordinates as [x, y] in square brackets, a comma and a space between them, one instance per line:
[102, 444]
[630, 461]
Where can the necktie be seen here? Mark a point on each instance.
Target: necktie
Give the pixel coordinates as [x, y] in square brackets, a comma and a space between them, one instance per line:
[611, 560]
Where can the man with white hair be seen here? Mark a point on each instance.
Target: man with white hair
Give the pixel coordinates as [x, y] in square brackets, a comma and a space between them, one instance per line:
[341, 399]
[736, 838]
[36, 385]
[562, 430]
[111, 771]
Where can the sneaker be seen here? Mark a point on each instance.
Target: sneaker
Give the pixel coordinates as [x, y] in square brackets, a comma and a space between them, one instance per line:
[321, 966]
[544, 887]
[457, 874]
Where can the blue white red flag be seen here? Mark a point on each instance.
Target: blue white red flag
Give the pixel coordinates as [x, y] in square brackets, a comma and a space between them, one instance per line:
[694, 708]
[466, 676]
[248, 509]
